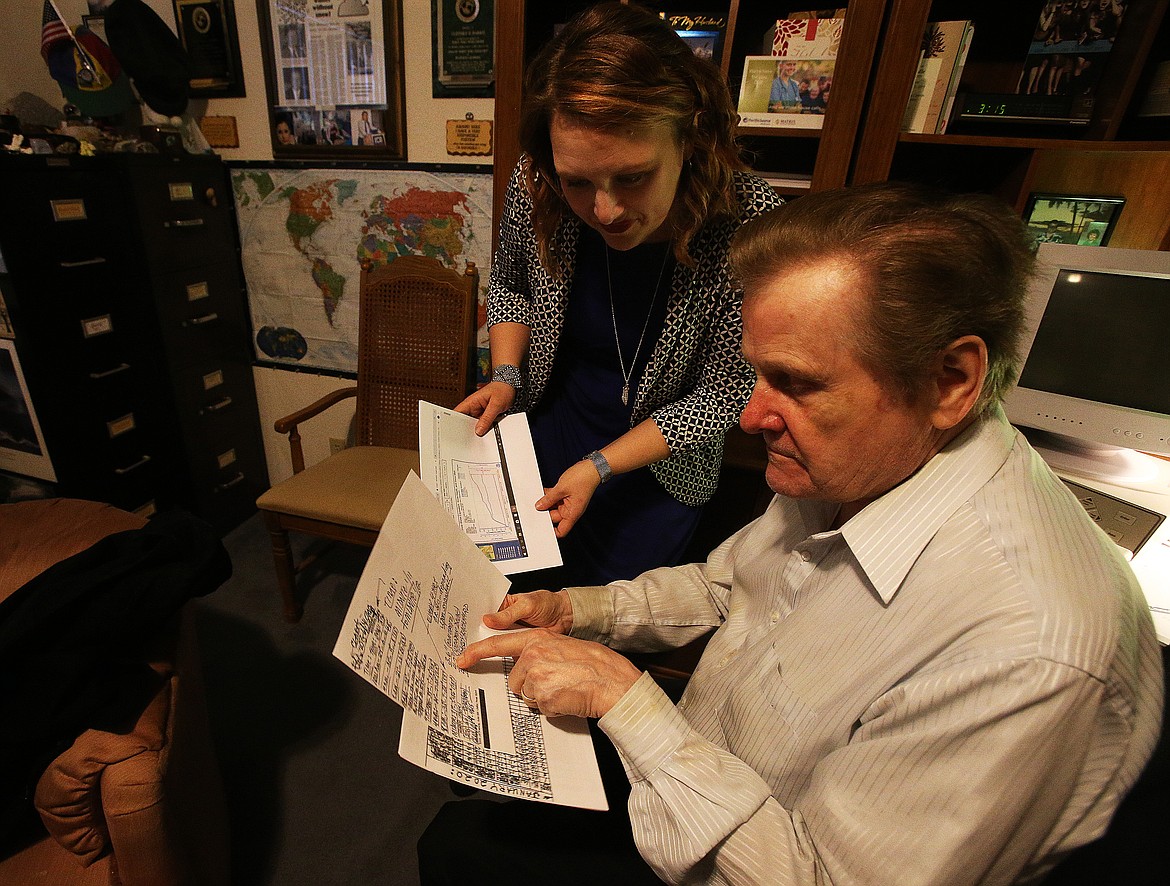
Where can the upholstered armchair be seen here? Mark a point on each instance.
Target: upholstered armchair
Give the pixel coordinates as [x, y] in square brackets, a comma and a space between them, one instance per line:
[142, 805]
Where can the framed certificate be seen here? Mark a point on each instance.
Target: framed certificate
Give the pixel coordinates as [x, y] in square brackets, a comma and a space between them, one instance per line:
[207, 30]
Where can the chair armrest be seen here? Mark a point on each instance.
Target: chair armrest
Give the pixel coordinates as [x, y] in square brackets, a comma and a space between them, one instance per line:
[104, 776]
[288, 424]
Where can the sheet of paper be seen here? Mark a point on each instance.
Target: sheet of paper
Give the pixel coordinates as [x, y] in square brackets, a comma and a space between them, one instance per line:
[490, 485]
[418, 602]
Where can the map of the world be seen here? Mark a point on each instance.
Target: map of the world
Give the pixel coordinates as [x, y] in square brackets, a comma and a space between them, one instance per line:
[305, 234]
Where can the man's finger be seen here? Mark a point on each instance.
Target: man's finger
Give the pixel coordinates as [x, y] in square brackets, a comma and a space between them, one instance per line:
[502, 646]
[507, 618]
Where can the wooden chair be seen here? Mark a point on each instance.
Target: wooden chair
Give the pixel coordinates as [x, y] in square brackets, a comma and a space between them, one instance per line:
[416, 336]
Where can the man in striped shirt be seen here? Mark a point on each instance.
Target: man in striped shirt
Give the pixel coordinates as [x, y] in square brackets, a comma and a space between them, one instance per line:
[930, 666]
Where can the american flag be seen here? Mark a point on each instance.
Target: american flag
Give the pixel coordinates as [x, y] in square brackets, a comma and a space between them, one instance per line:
[53, 30]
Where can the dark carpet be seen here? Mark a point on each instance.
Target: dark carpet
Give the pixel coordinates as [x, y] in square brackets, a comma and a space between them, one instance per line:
[308, 751]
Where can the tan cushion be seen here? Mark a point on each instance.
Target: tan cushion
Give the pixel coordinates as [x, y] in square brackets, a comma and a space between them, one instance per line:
[353, 487]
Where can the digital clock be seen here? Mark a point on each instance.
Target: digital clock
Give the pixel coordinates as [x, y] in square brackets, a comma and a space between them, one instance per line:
[990, 108]
[1030, 108]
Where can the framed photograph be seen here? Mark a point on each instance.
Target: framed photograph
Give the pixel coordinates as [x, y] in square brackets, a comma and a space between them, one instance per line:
[334, 79]
[207, 30]
[1070, 218]
[702, 31]
[22, 446]
[704, 44]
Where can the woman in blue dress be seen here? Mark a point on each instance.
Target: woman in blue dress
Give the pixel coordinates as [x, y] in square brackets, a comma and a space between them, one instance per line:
[613, 320]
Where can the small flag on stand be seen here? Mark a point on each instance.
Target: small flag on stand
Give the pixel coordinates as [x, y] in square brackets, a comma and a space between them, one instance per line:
[53, 30]
[89, 75]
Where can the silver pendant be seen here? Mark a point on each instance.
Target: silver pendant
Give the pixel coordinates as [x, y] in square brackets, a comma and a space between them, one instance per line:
[625, 395]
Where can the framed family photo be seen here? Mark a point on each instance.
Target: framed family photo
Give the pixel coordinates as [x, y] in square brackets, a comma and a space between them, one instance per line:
[1079, 220]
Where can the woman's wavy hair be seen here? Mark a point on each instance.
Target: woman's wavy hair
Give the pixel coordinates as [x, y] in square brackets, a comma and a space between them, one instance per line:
[935, 266]
[618, 66]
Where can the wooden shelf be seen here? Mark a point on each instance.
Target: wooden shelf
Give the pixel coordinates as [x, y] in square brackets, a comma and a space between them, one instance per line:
[768, 132]
[1046, 144]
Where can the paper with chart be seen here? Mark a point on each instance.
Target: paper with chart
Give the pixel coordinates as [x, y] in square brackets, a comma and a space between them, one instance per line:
[489, 484]
[418, 602]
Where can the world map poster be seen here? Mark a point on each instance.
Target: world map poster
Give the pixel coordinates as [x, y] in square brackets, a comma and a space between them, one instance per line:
[305, 233]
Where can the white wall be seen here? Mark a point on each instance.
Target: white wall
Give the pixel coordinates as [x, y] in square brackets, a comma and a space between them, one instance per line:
[278, 391]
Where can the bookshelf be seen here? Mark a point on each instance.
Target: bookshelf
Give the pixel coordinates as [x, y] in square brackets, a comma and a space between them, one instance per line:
[1114, 153]
[861, 141]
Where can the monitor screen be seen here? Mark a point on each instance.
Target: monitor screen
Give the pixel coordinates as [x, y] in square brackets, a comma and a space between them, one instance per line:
[1097, 364]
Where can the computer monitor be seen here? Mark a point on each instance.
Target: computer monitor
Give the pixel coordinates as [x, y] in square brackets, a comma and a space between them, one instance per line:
[1096, 376]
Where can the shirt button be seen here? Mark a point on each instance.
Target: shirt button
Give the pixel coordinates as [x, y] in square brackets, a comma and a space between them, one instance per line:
[723, 661]
[805, 556]
[774, 617]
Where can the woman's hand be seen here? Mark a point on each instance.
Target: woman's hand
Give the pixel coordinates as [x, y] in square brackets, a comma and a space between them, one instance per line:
[487, 404]
[567, 501]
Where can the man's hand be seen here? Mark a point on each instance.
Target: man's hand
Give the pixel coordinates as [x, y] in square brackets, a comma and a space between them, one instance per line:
[538, 609]
[567, 501]
[558, 674]
[487, 404]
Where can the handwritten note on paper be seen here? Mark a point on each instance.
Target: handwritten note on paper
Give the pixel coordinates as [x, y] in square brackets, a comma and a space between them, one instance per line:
[489, 484]
[418, 602]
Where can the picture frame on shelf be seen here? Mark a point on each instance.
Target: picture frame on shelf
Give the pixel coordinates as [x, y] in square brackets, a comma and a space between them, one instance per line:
[785, 93]
[702, 31]
[1081, 220]
[704, 44]
[334, 79]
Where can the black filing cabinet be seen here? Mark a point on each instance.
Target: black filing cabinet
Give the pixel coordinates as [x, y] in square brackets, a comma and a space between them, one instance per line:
[126, 298]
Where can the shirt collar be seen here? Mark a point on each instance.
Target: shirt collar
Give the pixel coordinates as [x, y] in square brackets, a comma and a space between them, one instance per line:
[889, 534]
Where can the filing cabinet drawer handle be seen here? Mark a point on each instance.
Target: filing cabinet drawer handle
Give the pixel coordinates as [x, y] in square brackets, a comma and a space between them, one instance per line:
[234, 481]
[133, 467]
[216, 407]
[107, 373]
[99, 260]
[199, 321]
[184, 223]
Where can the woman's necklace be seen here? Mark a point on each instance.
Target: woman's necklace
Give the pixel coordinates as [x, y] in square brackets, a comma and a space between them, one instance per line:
[613, 315]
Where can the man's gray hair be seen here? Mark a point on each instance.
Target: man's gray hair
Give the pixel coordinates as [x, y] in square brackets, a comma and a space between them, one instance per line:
[936, 267]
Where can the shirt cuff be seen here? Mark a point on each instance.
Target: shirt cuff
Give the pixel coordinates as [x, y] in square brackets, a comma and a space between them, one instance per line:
[592, 613]
[645, 727]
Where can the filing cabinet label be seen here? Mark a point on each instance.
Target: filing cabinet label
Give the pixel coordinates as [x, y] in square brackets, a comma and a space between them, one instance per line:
[213, 380]
[197, 291]
[68, 210]
[181, 191]
[227, 458]
[121, 425]
[97, 326]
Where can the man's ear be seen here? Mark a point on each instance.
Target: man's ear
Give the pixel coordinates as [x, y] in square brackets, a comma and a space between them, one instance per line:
[960, 369]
